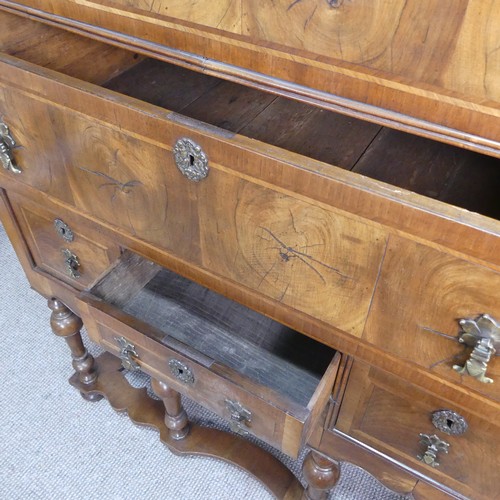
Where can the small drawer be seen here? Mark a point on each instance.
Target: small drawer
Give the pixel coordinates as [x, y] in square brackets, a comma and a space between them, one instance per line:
[264, 378]
[63, 244]
[404, 423]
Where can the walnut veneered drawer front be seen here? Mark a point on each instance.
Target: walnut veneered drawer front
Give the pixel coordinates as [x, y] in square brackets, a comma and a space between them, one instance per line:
[443, 442]
[63, 244]
[264, 378]
[425, 302]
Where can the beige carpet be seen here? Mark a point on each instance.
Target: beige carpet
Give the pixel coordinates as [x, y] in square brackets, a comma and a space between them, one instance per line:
[55, 445]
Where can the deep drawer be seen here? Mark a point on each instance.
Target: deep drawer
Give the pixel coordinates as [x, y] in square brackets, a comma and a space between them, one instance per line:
[265, 378]
[63, 244]
[397, 419]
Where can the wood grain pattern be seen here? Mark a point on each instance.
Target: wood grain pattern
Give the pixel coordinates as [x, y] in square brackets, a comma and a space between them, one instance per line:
[338, 339]
[95, 253]
[389, 415]
[350, 31]
[428, 82]
[165, 85]
[420, 297]
[339, 446]
[300, 240]
[213, 384]
[313, 132]
[224, 15]
[146, 124]
[306, 257]
[461, 178]
[102, 172]
[136, 186]
[288, 124]
[231, 334]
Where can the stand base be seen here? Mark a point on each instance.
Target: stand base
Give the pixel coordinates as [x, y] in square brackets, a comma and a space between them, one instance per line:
[145, 411]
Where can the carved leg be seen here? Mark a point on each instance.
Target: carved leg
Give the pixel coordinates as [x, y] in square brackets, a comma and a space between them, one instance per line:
[65, 323]
[175, 416]
[321, 475]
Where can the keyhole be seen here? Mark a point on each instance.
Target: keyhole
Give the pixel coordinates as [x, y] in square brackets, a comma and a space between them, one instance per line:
[450, 423]
[191, 160]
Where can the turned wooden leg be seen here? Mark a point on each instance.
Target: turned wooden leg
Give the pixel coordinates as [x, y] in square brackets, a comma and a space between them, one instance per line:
[175, 416]
[67, 324]
[321, 475]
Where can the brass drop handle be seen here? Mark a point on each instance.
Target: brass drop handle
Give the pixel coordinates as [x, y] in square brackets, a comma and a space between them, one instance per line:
[239, 417]
[72, 263]
[128, 354]
[483, 335]
[7, 144]
[434, 446]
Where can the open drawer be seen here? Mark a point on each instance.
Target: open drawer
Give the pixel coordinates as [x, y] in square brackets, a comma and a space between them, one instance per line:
[286, 212]
[265, 378]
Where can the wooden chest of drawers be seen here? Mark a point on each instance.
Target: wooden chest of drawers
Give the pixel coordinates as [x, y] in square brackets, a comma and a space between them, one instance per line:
[342, 194]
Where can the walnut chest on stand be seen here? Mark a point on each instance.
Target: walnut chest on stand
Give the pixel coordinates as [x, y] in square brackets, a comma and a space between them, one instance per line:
[284, 210]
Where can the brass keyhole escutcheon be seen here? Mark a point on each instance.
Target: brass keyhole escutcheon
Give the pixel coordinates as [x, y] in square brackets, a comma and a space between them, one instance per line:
[63, 230]
[190, 159]
[449, 422]
[181, 371]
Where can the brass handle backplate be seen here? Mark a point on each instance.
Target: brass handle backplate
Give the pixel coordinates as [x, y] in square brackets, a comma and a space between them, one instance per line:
[128, 354]
[434, 446]
[181, 371]
[239, 417]
[7, 144]
[72, 263]
[190, 159]
[483, 335]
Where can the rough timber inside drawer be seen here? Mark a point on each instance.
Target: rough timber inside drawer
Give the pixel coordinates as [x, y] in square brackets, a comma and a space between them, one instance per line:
[216, 351]
[388, 414]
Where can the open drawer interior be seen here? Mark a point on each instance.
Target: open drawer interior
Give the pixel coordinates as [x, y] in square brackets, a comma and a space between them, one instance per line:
[234, 353]
[62, 51]
[447, 173]
[190, 317]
